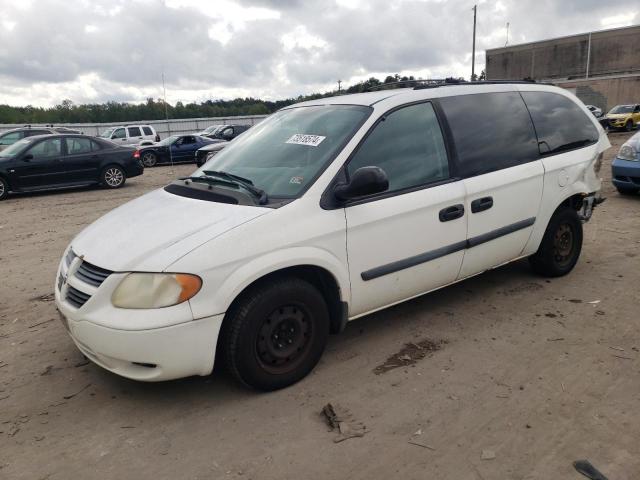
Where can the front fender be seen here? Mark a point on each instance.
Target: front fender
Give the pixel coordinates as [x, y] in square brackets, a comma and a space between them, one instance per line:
[229, 281]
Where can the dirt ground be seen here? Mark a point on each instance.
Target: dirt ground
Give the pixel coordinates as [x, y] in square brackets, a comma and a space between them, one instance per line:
[530, 374]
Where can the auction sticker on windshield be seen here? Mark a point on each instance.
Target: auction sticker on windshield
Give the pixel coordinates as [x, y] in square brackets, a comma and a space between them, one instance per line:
[302, 139]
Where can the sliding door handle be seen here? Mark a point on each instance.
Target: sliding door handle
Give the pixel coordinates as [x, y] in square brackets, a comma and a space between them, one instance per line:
[451, 213]
[481, 204]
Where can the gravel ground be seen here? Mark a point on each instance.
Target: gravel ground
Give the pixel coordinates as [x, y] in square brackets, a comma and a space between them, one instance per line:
[509, 375]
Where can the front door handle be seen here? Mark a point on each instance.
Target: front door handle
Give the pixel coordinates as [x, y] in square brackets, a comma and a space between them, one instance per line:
[481, 204]
[451, 213]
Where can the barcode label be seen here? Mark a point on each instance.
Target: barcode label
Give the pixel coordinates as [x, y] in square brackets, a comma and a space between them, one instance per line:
[302, 139]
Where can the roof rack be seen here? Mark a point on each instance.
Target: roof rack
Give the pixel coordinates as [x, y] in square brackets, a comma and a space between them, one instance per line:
[440, 82]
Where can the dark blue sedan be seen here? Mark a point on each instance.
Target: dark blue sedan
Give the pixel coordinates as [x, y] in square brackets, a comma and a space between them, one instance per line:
[625, 168]
[173, 149]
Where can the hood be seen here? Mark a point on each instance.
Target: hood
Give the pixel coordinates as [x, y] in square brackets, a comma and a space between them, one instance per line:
[153, 231]
[213, 146]
[618, 115]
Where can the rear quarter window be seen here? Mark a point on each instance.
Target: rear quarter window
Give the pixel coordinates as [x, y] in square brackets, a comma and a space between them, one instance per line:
[560, 123]
[491, 131]
[147, 131]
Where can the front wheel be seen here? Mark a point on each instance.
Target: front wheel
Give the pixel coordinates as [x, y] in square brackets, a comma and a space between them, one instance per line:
[561, 245]
[113, 177]
[4, 189]
[627, 191]
[628, 126]
[276, 334]
[149, 159]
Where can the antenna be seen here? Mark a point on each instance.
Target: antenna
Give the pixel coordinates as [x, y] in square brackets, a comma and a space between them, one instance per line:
[473, 53]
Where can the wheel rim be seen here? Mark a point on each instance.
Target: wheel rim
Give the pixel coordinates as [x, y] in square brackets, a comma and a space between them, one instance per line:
[563, 245]
[284, 338]
[149, 159]
[2, 188]
[113, 177]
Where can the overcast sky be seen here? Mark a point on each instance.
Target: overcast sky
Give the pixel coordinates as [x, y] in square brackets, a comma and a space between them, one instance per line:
[99, 50]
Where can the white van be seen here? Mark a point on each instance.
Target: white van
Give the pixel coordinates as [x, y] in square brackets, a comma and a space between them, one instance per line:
[131, 135]
[324, 212]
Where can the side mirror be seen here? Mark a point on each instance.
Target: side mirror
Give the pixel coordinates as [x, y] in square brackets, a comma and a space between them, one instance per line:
[364, 181]
[28, 157]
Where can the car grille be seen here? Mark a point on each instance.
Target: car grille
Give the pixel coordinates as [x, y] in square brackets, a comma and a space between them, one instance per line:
[85, 274]
[77, 298]
[91, 274]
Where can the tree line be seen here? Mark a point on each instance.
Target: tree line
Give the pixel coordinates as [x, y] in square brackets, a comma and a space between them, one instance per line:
[156, 109]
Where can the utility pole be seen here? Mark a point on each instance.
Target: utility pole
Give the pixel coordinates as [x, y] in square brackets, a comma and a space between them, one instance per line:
[473, 53]
[339, 82]
[166, 115]
[507, 40]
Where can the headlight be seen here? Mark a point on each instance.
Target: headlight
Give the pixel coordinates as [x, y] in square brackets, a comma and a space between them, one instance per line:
[155, 290]
[627, 152]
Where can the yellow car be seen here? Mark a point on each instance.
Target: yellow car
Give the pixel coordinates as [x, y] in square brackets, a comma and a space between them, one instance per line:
[624, 117]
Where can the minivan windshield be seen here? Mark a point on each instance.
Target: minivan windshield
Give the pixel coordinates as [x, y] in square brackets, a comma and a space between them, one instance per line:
[12, 150]
[285, 153]
[622, 109]
[107, 133]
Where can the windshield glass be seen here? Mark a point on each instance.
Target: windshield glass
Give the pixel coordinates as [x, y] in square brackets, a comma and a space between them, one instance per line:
[107, 133]
[211, 129]
[622, 109]
[15, 148]
[283, 154]
[169, 140]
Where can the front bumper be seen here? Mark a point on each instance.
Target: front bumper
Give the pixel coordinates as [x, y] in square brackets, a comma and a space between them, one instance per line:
[625, 173]
[147, 345]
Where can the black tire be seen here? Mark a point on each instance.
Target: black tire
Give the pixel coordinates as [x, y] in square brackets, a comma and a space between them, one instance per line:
[276, 333]
[627, 191]
[561, 245]
[113, 176]
[628, 126]
[149, 159]
[4, 189]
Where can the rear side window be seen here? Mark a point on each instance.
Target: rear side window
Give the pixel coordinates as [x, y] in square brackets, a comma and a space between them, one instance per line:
[491, 131]
[408, 145]
[134, 132]
[95, 146]
[147, 131]
[77, 146]
[560, 124]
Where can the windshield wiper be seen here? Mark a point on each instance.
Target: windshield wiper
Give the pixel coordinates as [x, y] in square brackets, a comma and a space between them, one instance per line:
[238, 180]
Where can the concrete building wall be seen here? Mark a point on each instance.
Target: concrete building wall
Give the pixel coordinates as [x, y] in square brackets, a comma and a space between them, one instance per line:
[612, 52]
[605, 93]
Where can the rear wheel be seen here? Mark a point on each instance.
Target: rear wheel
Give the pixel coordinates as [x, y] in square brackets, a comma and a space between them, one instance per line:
[276, 334]
[561, 245]
[113, 176]
[4, 189]
[149, 159]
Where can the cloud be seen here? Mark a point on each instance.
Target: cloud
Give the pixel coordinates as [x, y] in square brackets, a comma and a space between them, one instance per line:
[118, 49]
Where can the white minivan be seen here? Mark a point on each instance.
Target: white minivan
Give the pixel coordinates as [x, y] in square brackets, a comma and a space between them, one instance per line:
[326, 211]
